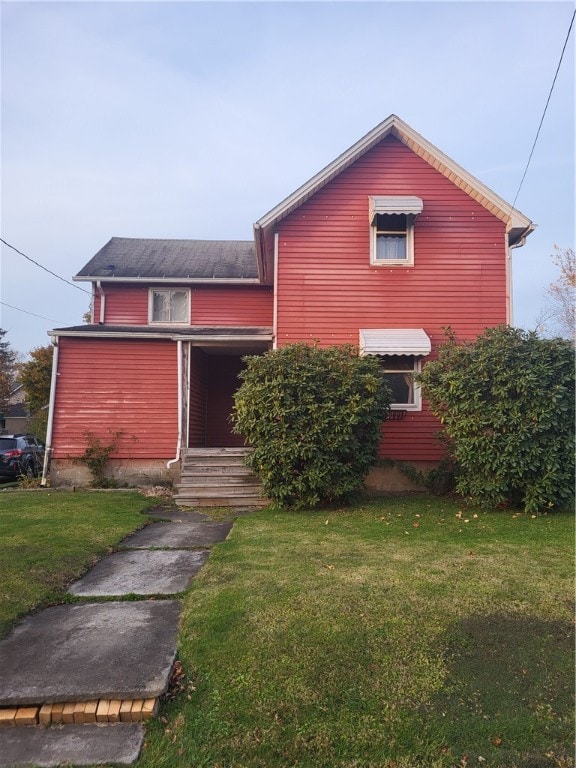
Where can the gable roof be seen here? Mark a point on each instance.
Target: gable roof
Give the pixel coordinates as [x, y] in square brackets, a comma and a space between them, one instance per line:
[129, 259]
[518, 226]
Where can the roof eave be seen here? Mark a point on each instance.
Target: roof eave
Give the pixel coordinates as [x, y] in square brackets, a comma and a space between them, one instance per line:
[154, 280]
[393, 125]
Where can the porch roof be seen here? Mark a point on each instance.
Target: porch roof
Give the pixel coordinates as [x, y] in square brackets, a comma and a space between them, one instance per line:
[188, 333]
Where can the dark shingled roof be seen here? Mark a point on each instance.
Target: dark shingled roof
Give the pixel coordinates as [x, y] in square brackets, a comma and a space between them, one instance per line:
[127, 257]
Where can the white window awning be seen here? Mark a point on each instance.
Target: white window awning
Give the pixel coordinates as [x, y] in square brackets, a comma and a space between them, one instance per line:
[394, 341]
[410, 206]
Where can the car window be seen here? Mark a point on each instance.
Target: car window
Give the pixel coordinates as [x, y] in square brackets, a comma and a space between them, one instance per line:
[6, 443]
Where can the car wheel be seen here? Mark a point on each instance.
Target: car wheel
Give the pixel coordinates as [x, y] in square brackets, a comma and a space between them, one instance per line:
[29, 471]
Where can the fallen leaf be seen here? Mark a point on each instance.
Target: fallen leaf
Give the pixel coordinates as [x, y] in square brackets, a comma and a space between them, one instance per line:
[497, 741]
[415, 525]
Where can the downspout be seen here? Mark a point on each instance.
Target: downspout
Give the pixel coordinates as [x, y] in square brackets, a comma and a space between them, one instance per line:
[509, 287]
[275, 305]
[48, 451]
[508, 280]
[102, 302]
[179, 442]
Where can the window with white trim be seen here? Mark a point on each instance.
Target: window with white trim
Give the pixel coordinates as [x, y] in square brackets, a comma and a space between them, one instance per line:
[169, 306]
[399, 372]
[393, 239]
[392, 230]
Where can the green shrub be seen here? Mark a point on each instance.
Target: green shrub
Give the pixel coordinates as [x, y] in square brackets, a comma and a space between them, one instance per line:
[97, 455]
[313, 418]
[506, 401]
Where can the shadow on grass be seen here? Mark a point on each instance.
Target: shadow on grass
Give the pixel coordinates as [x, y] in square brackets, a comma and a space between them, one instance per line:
[509, 694]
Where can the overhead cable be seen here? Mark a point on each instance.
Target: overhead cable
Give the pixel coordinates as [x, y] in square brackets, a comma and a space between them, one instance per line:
[545, 108]
[45, 268]
[26, 312]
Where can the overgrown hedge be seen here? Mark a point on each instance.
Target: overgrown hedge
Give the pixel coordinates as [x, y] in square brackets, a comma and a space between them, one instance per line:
[313, 417]
[506, 402]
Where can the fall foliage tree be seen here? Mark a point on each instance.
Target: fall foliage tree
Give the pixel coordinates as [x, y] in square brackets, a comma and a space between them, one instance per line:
[559, 317]
[35, 376]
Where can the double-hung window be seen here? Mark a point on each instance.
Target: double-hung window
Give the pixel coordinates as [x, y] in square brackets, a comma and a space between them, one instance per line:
[392, 230]
[399, 373]
[400, 351]
[169, 306]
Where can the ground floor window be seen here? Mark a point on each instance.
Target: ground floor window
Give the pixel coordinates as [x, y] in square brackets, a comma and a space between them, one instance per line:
[399, 372]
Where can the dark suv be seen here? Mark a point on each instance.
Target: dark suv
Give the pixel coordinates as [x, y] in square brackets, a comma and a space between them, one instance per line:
[20, 455]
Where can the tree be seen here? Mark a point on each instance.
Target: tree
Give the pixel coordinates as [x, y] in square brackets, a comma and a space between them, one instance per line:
[7, 371]
[506, 401]
[313, 418]
[560, 313]
[35, 376]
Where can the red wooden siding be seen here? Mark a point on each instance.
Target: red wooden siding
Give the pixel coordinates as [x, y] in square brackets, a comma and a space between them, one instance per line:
[197, 406]
[222, 382]
[224, 305]
[327, 289]
[124, 305]
[234, 305]
[118, 385]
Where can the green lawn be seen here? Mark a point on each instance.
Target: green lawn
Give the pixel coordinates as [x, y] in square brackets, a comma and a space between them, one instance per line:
[399, 633]
[402, 633]
[49, 538]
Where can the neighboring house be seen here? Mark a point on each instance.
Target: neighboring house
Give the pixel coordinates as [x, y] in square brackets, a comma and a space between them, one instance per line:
[16, 416]
[383, 248]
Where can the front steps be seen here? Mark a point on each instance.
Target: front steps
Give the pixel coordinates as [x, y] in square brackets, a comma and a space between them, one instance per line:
[218, 477]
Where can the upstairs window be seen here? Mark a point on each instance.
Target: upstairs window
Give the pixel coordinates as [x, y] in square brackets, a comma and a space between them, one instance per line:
[392, 233]
[167, 306]
[392, 230]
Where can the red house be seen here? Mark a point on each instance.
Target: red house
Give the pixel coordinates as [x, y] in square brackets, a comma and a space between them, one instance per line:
[382, 248]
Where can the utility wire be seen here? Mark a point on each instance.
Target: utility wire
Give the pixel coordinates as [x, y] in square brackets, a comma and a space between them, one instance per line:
[45, 268]
[545, 108]
[51, 319]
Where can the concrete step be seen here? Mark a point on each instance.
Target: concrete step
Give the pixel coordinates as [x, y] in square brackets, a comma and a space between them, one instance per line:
[195, 452]
[202, 470]
[217, 481]
[221, 501]
[207, 491]
[214, 461]
[218, 477]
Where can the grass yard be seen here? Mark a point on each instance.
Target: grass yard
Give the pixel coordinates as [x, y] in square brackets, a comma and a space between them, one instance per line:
[49, 538]
[401, 633]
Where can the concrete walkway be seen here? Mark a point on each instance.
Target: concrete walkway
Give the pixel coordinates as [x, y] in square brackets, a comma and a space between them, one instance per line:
[77, 681]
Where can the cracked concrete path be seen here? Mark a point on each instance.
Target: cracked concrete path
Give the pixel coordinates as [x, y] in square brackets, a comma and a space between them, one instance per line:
[140, 572]
[114, 650]
[178, 535]
[119, 650]
[71, 745]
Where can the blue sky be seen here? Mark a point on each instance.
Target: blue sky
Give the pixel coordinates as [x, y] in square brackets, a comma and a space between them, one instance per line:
[192, 120]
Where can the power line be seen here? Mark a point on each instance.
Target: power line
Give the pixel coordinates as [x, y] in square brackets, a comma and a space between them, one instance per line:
[51, 319]
[545, 108]
[45, 268]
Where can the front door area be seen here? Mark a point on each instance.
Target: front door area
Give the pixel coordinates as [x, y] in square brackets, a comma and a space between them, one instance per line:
[213, 380]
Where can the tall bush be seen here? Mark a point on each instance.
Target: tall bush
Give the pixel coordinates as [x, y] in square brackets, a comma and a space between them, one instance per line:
[313, 417]
[506, 401]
